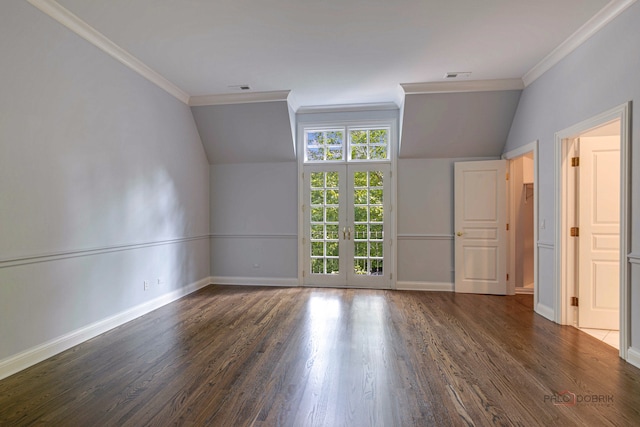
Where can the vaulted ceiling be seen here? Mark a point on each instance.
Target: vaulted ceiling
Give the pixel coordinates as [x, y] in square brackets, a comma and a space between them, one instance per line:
[301, 53]
[334, 51]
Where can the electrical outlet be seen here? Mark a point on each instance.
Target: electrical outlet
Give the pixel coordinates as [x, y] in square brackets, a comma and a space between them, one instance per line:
[146, 285]
[256, 265]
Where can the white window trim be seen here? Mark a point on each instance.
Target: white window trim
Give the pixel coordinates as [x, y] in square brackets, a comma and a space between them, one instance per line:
[346, 127]
[394, 138]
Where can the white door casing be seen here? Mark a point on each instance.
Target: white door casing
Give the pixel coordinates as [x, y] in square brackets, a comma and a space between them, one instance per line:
[480, 227]
[599, 236]
[563, 312]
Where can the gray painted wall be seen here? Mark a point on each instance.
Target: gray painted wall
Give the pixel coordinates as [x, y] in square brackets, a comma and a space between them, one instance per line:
[242, 133]
[254, 220]
[599, 75]
[425, 219]
[449, 125]
[92, 156]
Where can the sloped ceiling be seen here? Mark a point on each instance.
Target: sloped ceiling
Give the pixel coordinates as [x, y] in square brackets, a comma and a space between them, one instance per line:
[449, 125]
[439, 125]
[338, 52]
[245, 133]
[332, 51]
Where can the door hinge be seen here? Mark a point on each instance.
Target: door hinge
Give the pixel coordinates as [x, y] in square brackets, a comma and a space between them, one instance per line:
[507, 227]
[302, 273]
[507, 176]
[574, 301]
[303, 206]
[575, 162]
[507, 277]
[303, 176]
[390, 276]
[304, 241]
[575, 231]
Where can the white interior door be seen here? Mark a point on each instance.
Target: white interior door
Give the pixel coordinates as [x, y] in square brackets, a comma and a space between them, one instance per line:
[480, 227]
[346, 225]
[599, 236]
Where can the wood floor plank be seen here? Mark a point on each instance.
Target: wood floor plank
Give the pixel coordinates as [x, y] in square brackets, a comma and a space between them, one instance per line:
[246, 356]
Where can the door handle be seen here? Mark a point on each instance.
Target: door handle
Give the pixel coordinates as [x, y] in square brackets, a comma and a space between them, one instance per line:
[459, 233]
[344, 233]
[349, 233]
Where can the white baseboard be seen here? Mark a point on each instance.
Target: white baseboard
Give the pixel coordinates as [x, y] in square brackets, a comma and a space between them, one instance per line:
[37, 354]
[425, 286]
[633, 357]
[544, 311]
[255, 281]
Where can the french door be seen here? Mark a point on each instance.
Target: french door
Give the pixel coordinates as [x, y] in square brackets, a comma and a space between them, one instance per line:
[346, 214]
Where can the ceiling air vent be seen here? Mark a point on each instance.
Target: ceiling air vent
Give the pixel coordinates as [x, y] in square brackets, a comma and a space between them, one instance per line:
[240, 87]
[457, 74]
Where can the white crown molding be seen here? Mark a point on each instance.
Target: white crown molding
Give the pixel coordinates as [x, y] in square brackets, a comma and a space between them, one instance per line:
[381, 106]
[93, 36]
[462, 86]
[293, 102]
[592, 26]
[238, 98]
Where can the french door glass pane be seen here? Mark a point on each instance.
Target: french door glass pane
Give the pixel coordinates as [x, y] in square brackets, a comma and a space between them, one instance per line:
[324, 220]
[368, 215]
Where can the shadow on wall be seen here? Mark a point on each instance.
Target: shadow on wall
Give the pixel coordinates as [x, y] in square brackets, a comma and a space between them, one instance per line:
[137, 221]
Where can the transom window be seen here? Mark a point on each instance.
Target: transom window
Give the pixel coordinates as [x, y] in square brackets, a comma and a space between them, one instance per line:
[361, 144]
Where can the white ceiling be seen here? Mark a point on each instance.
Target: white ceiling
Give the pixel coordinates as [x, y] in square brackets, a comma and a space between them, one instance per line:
[330, 52]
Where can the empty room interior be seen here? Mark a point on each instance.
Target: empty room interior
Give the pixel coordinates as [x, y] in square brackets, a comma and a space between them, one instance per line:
[319, 213]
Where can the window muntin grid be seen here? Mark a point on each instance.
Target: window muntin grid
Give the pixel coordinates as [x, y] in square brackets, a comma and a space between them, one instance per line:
[324, 218]
[368, 215]
[324, 145]
[370, 143]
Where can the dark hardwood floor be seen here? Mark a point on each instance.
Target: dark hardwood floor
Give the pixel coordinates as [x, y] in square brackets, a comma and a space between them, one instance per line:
[236, 356]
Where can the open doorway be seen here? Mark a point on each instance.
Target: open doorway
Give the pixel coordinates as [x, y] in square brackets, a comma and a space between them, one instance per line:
[593, 188]
[592, 233]
[521, 222]
[522, 219]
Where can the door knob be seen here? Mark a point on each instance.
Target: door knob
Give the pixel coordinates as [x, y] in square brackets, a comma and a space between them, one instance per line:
[459, 233]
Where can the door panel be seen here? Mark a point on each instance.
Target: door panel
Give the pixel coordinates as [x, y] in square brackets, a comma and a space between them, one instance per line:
[325, 214]
[480, 223]
[599, 241]
[368, 223]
